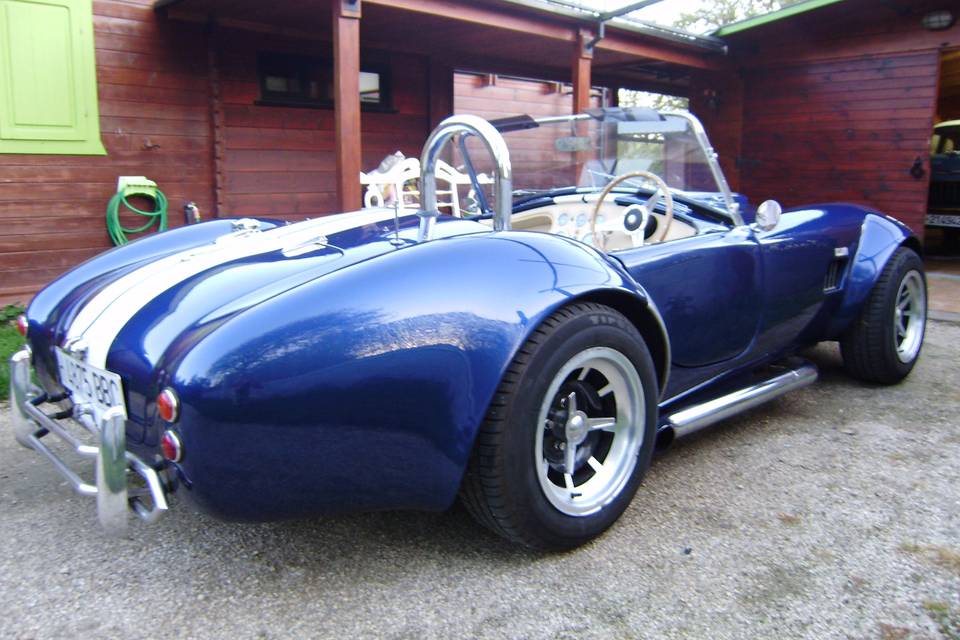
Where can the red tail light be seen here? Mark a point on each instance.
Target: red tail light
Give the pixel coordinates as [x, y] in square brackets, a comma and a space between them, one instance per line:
[168, 406]
[171, 447]
[22, 325]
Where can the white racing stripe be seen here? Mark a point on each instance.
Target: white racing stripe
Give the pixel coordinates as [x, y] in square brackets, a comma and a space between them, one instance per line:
[102, 318]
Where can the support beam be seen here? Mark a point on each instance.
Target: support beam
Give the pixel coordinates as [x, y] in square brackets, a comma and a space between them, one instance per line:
[582, 59]
[441, 91]
[346, 97]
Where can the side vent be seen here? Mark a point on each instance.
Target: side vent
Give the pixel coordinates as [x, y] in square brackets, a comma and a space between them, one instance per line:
[834, 277]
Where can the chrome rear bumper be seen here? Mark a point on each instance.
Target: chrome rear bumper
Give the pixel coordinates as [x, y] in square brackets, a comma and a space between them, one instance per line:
[105, 442]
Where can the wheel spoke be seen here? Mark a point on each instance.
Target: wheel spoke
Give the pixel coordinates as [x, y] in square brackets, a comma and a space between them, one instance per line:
[594, 464]
[601, 424]
[605, 390]
[568, 482]
[652, 200]
[571, 406]
[584, 373]
[570, 458]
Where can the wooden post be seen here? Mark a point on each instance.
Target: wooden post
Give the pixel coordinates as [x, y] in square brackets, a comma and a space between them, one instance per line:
[582, 58]
[346, 97]
[441, 92]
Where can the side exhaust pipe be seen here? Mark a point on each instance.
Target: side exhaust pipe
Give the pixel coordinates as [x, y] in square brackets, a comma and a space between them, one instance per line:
[696, 417]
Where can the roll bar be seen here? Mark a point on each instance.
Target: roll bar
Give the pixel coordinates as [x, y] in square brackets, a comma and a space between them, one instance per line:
[503, 179]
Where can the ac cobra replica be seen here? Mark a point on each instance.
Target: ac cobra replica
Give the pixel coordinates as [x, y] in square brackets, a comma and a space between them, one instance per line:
[607, 294]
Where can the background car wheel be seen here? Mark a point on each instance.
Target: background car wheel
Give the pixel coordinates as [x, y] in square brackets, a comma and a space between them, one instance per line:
[569, 433]
[883, 344]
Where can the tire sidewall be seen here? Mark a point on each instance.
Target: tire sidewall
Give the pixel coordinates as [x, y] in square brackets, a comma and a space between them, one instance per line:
[596, 328]
[905, 262]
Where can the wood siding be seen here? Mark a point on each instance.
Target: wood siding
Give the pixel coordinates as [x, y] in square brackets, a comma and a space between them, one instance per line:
[154, 121]
[531, 152]
[836, 105]
[279, 161]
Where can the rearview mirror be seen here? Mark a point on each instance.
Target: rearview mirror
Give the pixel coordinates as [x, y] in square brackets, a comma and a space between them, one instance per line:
[768, 215]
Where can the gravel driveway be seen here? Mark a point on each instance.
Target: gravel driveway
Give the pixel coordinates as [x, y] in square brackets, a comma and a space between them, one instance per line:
[831, 513]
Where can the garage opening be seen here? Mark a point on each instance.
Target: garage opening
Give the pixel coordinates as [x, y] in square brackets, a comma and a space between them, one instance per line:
[942, 233]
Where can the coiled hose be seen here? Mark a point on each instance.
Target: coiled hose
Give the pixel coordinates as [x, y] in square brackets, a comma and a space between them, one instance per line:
[118, 233]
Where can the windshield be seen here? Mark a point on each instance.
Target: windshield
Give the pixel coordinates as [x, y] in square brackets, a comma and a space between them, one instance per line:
[588, 151]
[945, 140]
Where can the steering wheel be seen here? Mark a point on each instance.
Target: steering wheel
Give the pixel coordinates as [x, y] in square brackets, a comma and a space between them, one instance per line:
[636, 235]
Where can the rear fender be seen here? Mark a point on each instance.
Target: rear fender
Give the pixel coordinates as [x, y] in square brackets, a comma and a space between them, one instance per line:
[365, 388]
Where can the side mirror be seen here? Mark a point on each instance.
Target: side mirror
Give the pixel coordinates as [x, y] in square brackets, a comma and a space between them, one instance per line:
[768, 215]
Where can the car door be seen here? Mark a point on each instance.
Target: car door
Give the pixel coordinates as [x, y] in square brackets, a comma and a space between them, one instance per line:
[708, 290]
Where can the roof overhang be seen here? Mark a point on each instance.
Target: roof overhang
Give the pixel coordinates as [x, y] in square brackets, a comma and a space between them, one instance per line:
[496, 36]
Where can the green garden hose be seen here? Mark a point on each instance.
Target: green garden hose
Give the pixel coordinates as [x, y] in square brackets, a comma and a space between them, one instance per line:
[118, 233]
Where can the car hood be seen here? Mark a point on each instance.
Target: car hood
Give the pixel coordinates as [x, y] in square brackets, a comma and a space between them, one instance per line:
[139, 319]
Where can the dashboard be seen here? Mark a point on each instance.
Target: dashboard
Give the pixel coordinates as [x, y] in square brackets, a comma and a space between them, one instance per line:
[569, 216]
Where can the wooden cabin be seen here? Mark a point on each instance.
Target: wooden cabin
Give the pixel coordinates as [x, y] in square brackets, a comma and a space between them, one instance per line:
[251, 108]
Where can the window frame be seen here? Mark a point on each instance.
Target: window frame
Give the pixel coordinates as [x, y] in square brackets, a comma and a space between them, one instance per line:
[301, 65]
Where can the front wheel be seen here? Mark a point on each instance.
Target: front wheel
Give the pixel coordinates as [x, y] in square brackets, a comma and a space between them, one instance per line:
[884, 343]
[569, 434]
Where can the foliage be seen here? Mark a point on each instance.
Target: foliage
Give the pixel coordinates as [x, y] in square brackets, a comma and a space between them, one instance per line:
[717, 13]
[10, 312]
[658, 101]
[10, 341]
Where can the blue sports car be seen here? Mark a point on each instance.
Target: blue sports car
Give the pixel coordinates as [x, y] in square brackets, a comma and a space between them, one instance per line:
[602, 293]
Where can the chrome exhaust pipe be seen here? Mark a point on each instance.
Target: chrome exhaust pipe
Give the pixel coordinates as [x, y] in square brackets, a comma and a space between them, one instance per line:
[691, 419]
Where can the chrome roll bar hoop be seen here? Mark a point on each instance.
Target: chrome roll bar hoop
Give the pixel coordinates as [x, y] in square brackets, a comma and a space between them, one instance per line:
[503, 180]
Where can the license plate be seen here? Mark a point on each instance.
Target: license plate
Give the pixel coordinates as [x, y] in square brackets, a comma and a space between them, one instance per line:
[943, 220]
[98, 389]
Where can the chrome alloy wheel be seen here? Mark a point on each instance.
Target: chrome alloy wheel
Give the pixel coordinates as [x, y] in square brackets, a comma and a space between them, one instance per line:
[909, 316]
[591, 430]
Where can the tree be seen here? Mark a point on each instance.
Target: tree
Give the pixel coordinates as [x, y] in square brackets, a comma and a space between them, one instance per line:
[717, 13]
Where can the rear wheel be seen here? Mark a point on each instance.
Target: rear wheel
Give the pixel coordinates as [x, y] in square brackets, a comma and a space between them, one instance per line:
[884, 343]
[569, 434]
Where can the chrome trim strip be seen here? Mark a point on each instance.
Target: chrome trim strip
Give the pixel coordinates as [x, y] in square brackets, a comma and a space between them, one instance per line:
[503, 180]
[697, 417]
[111, 488]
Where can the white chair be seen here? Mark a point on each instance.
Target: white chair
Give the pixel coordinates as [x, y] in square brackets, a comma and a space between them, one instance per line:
[405, 174]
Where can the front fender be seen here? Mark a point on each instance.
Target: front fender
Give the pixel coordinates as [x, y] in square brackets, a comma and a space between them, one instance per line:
[880, 237]
[364, 389]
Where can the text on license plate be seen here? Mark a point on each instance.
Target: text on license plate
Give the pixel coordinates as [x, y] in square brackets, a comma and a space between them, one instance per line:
[90, 384]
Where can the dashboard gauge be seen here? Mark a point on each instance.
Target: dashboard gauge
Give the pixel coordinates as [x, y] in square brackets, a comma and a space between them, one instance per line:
[563, 219]
[581, 219]
[600, 219]
[588, 239]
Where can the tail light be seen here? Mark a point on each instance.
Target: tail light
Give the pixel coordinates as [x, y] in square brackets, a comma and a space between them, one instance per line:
[22, 325]
[168, 406]
[171, 447]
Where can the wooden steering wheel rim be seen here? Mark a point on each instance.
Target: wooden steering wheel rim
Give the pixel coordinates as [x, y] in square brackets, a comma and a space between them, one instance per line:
[661, 186]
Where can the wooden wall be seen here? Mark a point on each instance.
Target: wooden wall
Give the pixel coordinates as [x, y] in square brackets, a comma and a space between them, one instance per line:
[154, 121]
[836, 105]
[531, 152]
[279, 161]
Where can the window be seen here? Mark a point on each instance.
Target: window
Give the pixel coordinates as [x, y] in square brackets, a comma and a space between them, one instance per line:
[48, 80]
[302, 81]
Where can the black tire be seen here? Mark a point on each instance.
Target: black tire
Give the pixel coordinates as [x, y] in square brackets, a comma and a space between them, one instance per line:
[870, 346]
[503, 486]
